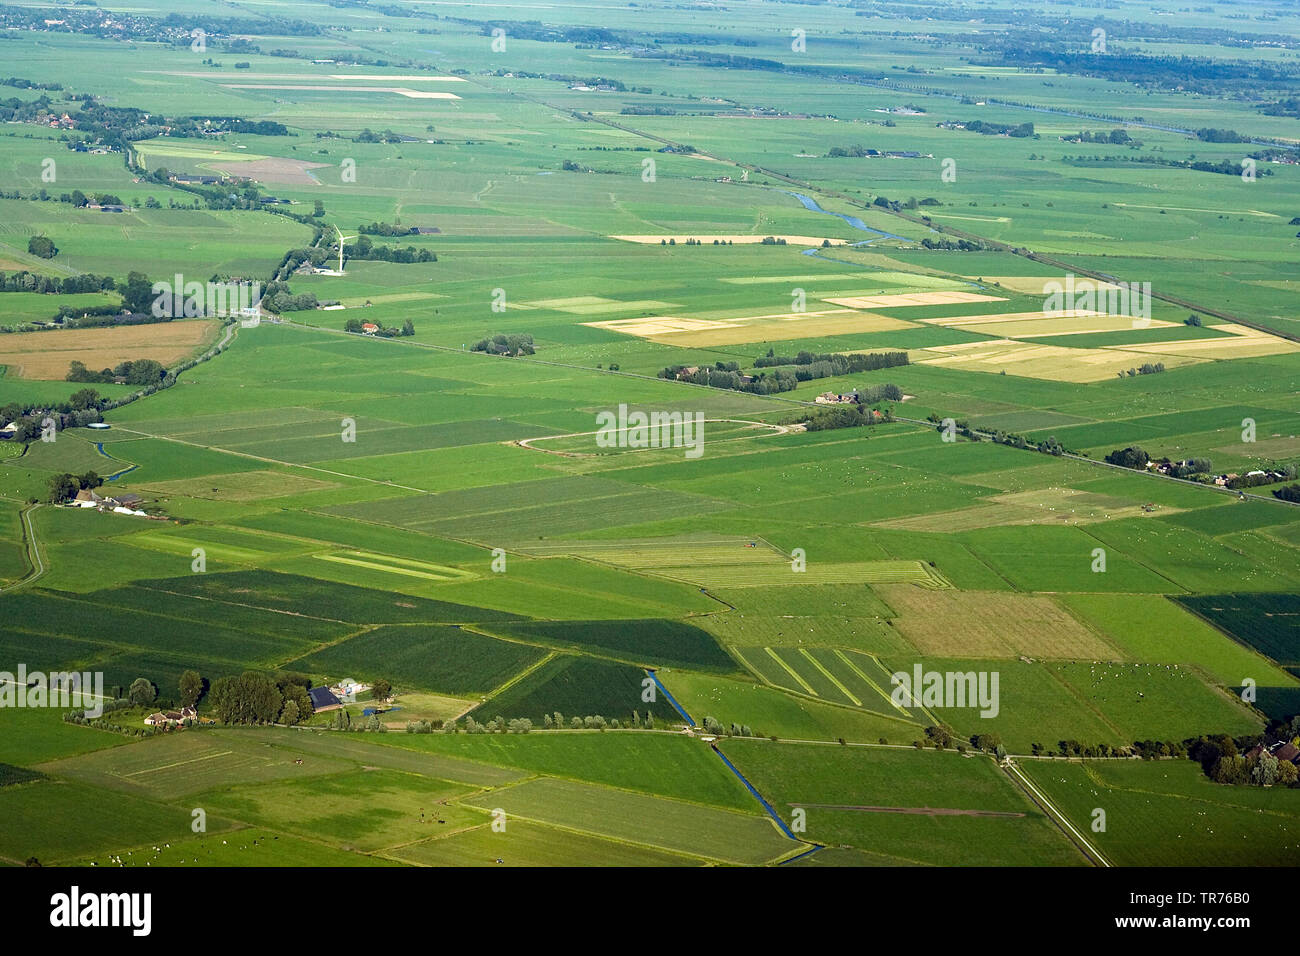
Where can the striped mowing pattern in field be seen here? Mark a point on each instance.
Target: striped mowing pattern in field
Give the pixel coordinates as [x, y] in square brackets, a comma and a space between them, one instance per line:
[835, 675]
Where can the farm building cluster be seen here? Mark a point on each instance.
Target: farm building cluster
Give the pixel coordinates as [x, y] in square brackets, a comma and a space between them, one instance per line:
[123, 504]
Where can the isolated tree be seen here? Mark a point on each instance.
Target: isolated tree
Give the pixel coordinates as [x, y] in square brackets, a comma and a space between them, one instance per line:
[381, 689]
[42, 246]
[142, 692]
[190, 687]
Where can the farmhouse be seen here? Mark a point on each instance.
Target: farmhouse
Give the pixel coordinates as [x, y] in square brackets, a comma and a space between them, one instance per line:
[369, 328]
[834, 398]
[171, 718]
[347, 689]
[322, 699]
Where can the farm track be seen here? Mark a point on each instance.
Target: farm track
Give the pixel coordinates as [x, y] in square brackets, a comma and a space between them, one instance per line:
[1044, 803]
[32, 550]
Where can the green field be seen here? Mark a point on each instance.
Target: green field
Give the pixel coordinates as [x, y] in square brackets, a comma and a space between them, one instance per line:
[421, 459]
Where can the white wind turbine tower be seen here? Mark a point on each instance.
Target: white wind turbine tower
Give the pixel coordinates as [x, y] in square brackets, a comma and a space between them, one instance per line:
[342, 239]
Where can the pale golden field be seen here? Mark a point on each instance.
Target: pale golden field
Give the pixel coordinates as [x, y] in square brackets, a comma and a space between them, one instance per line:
[775, 327]
[1055, 363]
[990, 624]
[1244, 343]
[907, 299]
[47, 355]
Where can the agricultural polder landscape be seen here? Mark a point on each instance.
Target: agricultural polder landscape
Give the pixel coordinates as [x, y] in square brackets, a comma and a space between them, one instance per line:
[806, 434]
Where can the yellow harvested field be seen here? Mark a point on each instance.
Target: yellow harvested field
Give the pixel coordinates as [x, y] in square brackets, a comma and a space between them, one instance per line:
[1244, 343]
[699, 333]
[902, 300]
[1054, 363]
[1035, 285]
[47, 355]
[735, 240]
[658, 325]
[1026, 326]
[990, 624]
[962, 321]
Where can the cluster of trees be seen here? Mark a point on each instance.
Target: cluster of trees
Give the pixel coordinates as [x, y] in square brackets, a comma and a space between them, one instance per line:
[954, 245]
[1228, 760]
[726, 375]
[1211, 135]
[368, 135]
[1116, 137]
[697, 242]
[386, 229]
[1022, 131]
[130, 372]
[256, 698]
[1211, 76]
[1288, 493]
[1192, 466]
[1286, 107]
[42, 246]
[855, 152]
[520, 343]
[1226, 167]
[1130, 457]
[63, 486]
[846, 416]
[364, 249]
[714, 726]
[277, 297]
[853, 363]
[1146, 368]
[81, 408]
[355, 326]
[25, 281]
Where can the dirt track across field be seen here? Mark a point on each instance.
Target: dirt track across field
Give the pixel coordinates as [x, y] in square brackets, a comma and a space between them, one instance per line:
[924, 811]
